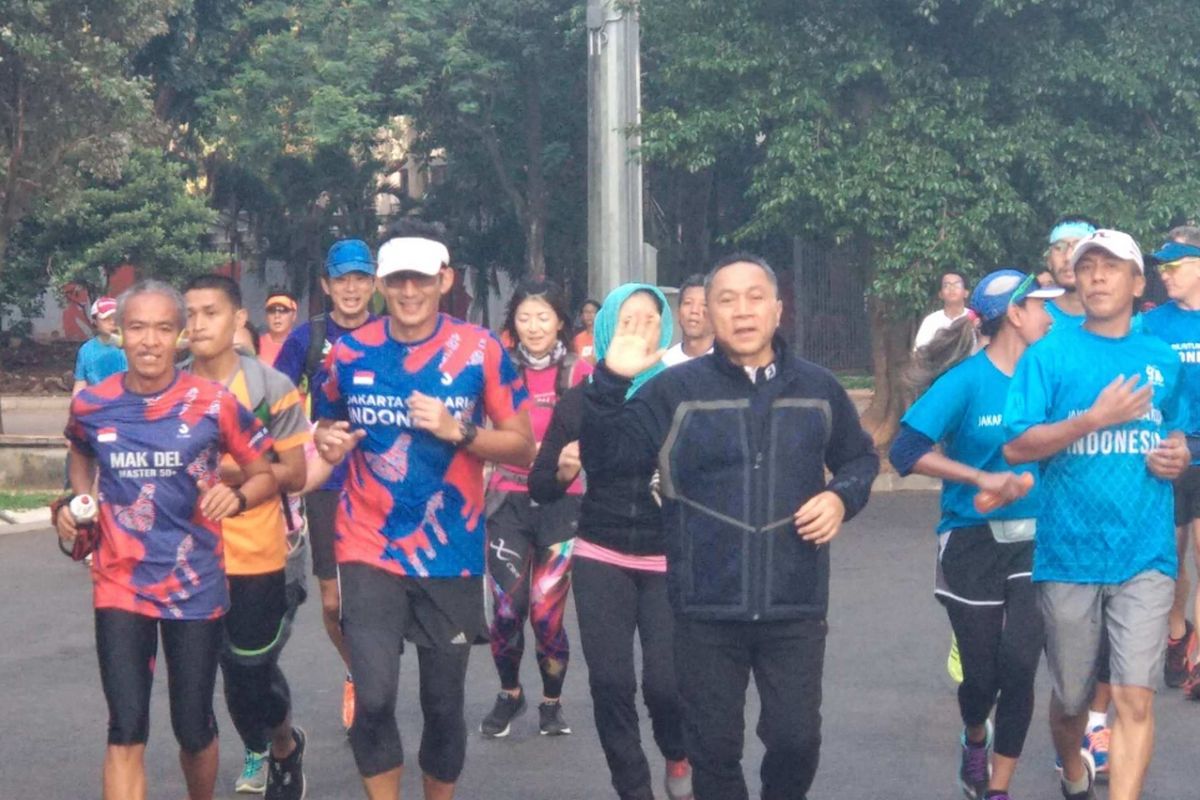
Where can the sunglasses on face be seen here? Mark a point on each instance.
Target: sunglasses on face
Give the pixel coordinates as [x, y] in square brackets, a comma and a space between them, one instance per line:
[279, 310]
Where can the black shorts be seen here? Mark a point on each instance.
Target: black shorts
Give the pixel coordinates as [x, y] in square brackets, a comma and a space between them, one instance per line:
[126, 646]
[514, 514]
[259, 620]
[1187, 497]
[431, 612]
[973, 568]
[321, 507]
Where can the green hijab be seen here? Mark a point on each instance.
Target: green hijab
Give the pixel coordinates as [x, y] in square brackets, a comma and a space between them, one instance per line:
[606, 327]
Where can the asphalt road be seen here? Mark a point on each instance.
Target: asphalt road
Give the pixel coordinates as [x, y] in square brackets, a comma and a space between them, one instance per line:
[891, 727]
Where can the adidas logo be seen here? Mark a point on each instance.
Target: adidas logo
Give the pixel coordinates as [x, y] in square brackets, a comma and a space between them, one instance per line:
[460, 639]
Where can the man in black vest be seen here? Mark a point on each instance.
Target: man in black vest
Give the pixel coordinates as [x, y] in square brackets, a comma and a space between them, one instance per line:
[742, 438]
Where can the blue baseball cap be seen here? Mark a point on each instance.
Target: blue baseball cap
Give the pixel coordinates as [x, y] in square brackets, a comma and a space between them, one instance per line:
[1000, 289]
[1173, 251]
[349, 255]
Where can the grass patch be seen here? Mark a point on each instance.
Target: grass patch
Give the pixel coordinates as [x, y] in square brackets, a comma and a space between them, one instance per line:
[856, 380]
[25, 501]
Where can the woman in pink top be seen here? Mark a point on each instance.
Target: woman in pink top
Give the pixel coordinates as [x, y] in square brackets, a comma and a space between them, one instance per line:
[530, 545]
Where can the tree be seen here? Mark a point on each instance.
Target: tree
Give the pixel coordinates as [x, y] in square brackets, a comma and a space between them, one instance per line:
[942, 135]
[145, 217]
[501, 85]
[68, 98]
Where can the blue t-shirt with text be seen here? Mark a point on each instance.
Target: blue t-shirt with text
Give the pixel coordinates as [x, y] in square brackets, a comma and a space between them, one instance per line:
[1105, 517]
[963, 410]
[1179, 328]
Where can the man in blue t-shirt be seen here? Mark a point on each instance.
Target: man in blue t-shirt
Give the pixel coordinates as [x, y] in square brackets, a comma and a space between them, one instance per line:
[350, 282]
[1101, 406]
[1067, 310]
[1178, 324]
[101, 355]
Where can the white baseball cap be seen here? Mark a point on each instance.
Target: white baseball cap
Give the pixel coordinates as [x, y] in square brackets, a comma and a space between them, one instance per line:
[1116, 243]
[411, 254]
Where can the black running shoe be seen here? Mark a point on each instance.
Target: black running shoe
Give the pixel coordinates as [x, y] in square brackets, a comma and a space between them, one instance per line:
[550, 720]
[496, 724]
[285, 779]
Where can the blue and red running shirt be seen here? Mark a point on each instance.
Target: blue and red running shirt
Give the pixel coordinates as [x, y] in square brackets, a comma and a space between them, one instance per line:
[158, 556]
[412, 503]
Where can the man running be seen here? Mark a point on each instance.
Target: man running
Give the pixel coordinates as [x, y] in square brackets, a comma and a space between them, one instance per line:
[349, 281]
[1066, 310]
[742, 440]
[1102, 407]
[156, 435]
[281, 307]
[415, 387]
[694, 327]
[1178, 324]
[101, 355]
[261, 607]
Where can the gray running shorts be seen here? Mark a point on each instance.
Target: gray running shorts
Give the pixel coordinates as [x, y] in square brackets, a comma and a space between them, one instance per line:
[1135, 615]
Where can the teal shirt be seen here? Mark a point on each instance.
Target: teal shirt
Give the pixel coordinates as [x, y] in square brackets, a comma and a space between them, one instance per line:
[1061, 318]
[1180, 329]
[1105, 517]
[963, 411]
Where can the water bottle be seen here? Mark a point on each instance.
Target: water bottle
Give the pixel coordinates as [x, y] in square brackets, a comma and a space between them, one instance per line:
[84, 509]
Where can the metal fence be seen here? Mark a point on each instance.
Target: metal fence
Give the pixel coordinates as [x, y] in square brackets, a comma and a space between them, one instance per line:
[830, 322]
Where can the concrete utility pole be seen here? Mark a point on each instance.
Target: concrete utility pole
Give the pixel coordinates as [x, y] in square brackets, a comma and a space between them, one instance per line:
[614, 172]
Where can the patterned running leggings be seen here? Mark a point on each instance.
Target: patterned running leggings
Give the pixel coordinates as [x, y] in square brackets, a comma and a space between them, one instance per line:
[528, 580]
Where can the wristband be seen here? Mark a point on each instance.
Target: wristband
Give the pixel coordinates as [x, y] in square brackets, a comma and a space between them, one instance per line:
[468, 430]
[241, 498]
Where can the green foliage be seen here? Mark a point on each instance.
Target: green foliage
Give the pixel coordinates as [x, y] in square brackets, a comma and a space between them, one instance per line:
[145, 217]
[947, 134]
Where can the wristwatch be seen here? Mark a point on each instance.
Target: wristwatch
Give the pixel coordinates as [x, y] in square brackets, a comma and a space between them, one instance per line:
[468, 430]
[241, 498]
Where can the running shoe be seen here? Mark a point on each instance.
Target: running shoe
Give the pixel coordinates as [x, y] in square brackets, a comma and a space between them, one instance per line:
[253, 779]
[1095, 742]
[679, 780]
[1090, 792]
[551, 721]
[1175, 668]
[953, 662]
[285, 779]
[348, 703]
[975, 769]
[1191, 686]
[497, 724]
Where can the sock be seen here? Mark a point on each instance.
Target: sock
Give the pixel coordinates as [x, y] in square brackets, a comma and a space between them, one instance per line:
[1097, 719]
[349, 679]
[1075, 787]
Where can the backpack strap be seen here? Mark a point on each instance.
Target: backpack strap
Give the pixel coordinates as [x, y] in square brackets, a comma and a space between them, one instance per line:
[562, 381]
[318, 327]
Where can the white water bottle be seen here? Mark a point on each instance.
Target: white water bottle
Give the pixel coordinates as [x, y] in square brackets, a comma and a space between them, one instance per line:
[83, 509]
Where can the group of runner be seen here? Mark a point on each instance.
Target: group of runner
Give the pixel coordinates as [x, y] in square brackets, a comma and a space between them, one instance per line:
[1062, 441]
[687, 505]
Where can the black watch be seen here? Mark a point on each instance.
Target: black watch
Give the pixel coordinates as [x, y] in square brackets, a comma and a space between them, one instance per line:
[468, 430]
[241, 498]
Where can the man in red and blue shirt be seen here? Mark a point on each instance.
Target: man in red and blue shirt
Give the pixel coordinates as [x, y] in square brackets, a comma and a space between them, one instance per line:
[156, 436]
[406, 397]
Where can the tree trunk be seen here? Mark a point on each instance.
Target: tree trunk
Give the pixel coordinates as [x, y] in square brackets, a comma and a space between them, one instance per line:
[534, 220]
[889, 356]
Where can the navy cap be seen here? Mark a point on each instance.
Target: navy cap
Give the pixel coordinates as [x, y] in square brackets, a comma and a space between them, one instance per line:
[1173, 251]
[1000, 289]
[349, 255]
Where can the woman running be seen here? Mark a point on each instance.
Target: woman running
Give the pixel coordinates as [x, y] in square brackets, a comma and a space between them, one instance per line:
[529, 544]
[985, 559]
[620, 576]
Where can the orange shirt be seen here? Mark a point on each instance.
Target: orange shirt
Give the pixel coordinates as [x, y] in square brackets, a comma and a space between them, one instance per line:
[268, 348]
[256, 540]
[584, 346]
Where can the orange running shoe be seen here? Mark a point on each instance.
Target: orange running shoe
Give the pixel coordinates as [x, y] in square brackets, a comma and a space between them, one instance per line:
[348, 703]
